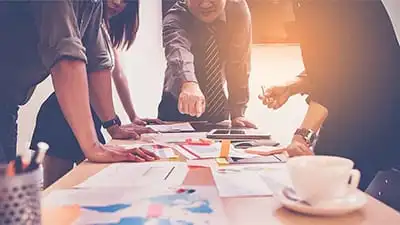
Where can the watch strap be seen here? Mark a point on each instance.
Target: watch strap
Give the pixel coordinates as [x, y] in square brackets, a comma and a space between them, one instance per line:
[112, 122]
[307, 134]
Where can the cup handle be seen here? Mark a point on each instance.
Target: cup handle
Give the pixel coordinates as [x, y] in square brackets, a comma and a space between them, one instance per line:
[354, 178]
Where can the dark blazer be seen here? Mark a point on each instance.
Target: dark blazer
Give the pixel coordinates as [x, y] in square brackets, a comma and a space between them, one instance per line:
[351, 55]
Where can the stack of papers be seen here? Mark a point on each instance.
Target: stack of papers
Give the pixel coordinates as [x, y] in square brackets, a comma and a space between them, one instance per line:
[172, 128]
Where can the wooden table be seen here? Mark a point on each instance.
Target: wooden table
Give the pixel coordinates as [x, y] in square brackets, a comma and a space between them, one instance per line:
[240, 211]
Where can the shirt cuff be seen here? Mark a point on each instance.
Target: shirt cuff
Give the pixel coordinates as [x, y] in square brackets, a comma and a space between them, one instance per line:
[238, 111]
[68, 47]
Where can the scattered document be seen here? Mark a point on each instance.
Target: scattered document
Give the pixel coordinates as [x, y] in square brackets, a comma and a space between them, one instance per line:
[138, 175]
[162, 151]
[210, 151]
[176, 127]
[245, 181]
[181, 205]
[172, 137]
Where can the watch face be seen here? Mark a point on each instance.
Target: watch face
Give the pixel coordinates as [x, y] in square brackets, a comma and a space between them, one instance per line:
[307, 134]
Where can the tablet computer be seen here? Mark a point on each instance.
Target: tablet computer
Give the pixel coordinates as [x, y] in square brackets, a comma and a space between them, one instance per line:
[237, 134]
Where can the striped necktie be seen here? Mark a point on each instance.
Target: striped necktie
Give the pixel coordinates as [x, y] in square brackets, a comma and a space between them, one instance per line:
[214, 88]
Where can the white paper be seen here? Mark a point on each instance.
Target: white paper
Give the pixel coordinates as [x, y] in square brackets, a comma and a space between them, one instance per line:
[176, 127]
[152, 205]
[212, 151]
[246, 180]
[172, 137]
[165, 152]
[138, 175]
[185, 153]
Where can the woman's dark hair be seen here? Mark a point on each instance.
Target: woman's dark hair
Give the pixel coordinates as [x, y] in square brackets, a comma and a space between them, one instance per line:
[123, 27]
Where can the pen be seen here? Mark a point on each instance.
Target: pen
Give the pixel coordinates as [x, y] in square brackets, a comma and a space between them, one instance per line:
[38, 157]
[262, 90]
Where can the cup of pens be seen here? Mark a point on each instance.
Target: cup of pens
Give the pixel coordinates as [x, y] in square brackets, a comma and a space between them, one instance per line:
[20, 192]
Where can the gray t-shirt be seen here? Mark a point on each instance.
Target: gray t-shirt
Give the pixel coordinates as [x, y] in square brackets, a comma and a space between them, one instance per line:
[37, 34]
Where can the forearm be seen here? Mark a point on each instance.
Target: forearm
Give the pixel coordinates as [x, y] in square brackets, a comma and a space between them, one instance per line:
[315, 116]
[101, 94]
[300, 85]
[180, 60]
[71, 87]
[238, 109]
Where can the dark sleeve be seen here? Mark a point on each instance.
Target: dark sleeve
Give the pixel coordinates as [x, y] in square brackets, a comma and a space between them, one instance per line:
[238, 63]
[180, 60]
[315, 55]
[97, 50]
[59, 35]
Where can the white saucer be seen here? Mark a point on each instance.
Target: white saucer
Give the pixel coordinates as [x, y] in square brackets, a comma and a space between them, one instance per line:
[340, 206]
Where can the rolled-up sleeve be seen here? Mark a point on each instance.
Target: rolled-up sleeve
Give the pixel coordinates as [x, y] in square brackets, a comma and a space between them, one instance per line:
[95, 41]
[59, 35]
[180, 60]
[238, 63]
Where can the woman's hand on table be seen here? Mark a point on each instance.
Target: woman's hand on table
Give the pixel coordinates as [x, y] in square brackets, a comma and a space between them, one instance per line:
[113, 153]
[298, 147]
[147, 121]
[128, 131]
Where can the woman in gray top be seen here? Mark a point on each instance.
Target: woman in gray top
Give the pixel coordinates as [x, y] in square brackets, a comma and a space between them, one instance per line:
[61, 38]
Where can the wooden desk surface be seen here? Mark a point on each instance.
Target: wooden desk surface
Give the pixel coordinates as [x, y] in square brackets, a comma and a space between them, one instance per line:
[240, 211]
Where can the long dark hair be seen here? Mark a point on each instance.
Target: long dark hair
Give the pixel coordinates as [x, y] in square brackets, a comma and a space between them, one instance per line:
[123, 27]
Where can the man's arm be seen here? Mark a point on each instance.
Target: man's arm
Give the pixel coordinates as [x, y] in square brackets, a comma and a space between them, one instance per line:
[180, 60]
[238, 63]
[180, 78]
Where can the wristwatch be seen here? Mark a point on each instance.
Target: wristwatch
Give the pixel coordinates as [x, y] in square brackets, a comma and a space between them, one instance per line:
[112, 122]
[308, 135]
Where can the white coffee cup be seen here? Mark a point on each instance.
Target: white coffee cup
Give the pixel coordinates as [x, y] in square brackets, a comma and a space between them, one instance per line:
[322, 178]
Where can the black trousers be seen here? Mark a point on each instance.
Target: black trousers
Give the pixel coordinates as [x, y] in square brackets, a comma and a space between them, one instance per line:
[8, 131]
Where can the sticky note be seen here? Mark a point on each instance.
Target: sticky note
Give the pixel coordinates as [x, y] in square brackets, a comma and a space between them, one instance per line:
[225, 147]
[222, 161]
[154, 211]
